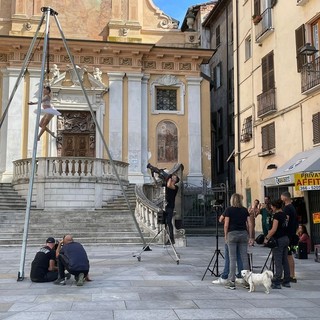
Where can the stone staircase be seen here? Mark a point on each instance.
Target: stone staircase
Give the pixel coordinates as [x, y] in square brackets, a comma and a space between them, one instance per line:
[112, 224]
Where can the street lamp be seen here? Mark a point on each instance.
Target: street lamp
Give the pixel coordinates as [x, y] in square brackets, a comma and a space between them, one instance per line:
[190, 20]
[308, 50]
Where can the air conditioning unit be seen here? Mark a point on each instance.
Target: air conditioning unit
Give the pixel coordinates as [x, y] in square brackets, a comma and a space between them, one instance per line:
[302, 2]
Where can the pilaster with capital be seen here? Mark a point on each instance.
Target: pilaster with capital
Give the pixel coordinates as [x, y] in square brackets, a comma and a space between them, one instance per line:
[195, 175]
[135, 149]
[116, 114]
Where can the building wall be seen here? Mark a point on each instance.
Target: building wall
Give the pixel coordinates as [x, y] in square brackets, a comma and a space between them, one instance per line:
[294, 108]
[138, 52]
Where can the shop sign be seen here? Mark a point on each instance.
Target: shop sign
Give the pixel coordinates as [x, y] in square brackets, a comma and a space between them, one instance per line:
[283, 179]
[307, 181]
[316, 217]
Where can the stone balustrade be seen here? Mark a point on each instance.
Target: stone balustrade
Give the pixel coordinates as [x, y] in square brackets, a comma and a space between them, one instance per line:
[149, 212]
[70, 182]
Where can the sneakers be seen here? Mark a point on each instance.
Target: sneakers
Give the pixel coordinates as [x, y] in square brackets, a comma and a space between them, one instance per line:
[240, 280]
[68, 275]
[220, 281]
[230, 285]
[293, 279]
[286, 284]
[80, 280]
[275, 286]
[60, 281]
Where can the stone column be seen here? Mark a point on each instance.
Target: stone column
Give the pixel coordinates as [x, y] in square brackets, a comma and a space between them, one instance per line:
[135, 149]
[116, 114]
[144, 129]
[195, 175]
[10, 143]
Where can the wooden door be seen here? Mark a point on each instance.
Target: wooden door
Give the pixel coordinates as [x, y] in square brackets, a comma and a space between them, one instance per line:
[76, 145]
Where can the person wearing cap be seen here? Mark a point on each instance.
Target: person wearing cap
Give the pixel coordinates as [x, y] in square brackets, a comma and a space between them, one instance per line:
[43, 268]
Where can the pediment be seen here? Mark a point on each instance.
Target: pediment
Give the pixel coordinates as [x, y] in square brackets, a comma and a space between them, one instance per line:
[68, 79]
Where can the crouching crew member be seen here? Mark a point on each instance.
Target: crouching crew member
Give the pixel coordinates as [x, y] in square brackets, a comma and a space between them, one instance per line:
[43, 268]
[73, 258]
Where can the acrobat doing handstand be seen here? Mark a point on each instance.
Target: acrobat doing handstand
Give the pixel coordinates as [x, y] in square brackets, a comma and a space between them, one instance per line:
[48, 111]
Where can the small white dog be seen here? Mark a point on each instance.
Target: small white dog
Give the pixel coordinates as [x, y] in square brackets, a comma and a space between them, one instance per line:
[254, 279]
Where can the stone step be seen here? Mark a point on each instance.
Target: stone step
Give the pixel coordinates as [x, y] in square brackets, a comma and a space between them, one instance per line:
[112, 224]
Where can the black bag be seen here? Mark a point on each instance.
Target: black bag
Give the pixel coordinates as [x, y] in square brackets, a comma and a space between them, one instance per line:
[260, 239]
[272, 243]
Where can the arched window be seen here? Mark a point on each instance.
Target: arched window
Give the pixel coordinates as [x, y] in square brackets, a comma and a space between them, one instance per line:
[167, 138]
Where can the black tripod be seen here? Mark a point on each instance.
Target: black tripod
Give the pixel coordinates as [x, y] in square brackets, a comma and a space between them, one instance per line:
[271, 265]
[215, 269]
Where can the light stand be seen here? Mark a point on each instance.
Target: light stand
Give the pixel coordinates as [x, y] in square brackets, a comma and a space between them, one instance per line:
[163, 230]
[215, 269]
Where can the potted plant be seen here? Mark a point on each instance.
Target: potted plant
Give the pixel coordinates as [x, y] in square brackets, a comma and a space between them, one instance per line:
[256, 18]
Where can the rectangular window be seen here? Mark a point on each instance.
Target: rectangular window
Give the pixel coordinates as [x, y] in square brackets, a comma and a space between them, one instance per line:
[166, 99]
[316, 127]
[220, 160]
[267, 72]
[268, 137]
[218, 36]
[246, 133]
[248, 48]
[217, 75]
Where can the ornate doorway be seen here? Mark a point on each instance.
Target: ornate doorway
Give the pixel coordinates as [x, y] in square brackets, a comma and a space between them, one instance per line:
[76, 135]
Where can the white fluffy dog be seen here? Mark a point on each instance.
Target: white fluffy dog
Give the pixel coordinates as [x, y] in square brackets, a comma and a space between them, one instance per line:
[254, 279]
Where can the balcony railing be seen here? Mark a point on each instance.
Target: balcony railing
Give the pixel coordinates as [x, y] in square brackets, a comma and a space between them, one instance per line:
[266, 102]
[264, 26]
[310, 76]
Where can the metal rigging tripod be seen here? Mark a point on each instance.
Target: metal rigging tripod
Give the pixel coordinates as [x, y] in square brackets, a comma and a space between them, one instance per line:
[47, 12]
[163, 230]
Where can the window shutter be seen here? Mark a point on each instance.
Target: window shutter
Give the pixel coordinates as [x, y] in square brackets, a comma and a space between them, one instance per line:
[268, 137]
[267, 72]
[300, 42]
[256, 7]
[316, 128]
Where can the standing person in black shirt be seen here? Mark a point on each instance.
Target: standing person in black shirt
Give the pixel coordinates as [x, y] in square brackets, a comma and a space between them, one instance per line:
[43, 267]
[293, 225]
[280, 253]
[238, 232]
[171, 192]
[72, 257]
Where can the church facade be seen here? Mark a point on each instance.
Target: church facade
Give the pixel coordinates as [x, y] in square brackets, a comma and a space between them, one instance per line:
[141, 74]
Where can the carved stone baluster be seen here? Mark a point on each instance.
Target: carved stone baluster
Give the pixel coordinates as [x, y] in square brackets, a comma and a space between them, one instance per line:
[73, 171]
[63, 168]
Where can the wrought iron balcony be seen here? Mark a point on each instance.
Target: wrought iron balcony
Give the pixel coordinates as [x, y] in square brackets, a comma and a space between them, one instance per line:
[266, 103]
[310, 76]
[264, 25]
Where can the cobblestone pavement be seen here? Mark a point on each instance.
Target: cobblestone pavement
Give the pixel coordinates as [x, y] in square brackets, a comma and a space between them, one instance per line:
[154, 288]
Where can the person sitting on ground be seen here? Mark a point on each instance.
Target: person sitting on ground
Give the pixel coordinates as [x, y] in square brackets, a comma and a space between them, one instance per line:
[72, 257]
[43, 267]
[304, 236]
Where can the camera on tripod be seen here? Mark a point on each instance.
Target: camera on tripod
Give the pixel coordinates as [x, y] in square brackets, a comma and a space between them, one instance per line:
[164, 176]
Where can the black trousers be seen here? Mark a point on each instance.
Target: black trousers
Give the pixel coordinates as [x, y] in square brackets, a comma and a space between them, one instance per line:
[49, 277]
[63, 264]
[168, 215]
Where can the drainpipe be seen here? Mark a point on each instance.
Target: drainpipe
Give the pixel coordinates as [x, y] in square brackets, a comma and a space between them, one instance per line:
[238, 86]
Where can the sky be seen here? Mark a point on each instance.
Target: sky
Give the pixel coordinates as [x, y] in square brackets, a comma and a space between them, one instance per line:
[176, 8]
